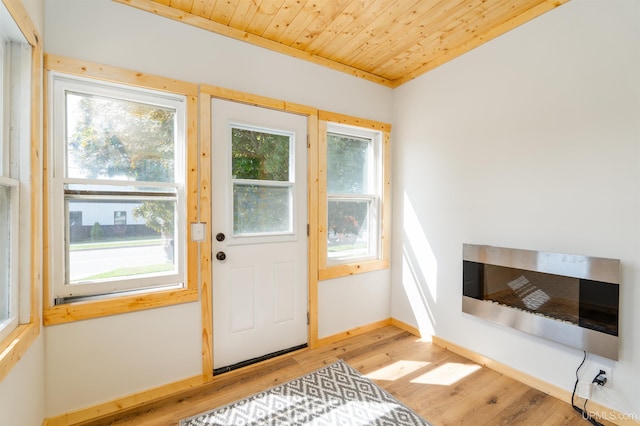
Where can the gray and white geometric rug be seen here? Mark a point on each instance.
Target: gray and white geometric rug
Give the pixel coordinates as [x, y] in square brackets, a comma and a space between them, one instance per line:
[334, 395]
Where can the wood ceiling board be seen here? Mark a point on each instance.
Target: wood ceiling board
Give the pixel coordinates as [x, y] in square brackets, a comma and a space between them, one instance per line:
[263, 16]
[336, 29]
[329, 13]
[281, 21]
[370, 32]
[202, 8]
[300, 26]
[385, 41]
[179, 4]
[243, 15]
[223, 10]
[400, 42]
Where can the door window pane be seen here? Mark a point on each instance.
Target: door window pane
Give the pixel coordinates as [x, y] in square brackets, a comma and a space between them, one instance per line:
[262, 209]
[110, 138]
[262, 179]
[259, 155]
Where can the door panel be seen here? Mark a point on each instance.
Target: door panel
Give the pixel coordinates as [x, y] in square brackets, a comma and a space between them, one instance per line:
[259, 201]
[242, 296]
[285, 292]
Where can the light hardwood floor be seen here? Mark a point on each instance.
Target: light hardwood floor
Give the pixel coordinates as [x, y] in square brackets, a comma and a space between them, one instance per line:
[441, 386]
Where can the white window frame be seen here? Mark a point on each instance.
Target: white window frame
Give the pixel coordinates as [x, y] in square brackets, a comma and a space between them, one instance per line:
[10, 288]
[357, 127]
[63, 291]
[15, 159]
[373, 197]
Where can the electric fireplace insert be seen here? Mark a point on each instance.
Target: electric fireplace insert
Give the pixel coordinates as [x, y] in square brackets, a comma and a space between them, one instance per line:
[569, 299]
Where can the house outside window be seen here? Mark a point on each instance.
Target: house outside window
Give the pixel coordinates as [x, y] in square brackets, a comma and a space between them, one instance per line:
[116, 150]
[120, 218]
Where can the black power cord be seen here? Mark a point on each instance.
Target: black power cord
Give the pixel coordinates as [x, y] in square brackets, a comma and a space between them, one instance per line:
[583, 412]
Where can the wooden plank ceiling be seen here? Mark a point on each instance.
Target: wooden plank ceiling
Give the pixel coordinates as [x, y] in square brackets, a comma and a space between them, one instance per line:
[386, 41]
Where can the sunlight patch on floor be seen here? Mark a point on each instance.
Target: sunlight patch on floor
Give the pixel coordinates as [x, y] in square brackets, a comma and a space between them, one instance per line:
[396, 370]
[447, 374]
[356, 413]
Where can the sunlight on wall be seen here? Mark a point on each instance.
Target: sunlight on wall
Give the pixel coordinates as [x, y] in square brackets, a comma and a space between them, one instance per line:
[447, 374]
[419, 270]
[397, 370]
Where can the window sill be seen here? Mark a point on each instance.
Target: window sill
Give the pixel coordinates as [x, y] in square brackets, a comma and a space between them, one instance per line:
[15, 346]
[348, 269]
[77, 311]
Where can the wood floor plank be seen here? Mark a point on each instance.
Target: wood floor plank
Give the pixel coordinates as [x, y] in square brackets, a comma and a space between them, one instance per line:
[441, 386]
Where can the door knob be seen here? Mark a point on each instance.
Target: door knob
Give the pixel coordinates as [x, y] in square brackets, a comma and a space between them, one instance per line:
[220, 236]
[221, 255]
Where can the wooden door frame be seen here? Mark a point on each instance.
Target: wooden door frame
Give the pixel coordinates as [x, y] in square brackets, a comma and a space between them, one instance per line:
[206, 93]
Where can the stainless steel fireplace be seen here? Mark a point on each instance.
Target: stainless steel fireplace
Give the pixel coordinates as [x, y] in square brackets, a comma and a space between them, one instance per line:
[569, 299]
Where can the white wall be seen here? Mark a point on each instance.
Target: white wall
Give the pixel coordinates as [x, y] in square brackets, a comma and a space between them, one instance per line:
[22, 401]
[531, 141]
[128, 353]
[349, 302]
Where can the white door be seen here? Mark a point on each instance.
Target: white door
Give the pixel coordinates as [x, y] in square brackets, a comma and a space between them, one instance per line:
[259, 226]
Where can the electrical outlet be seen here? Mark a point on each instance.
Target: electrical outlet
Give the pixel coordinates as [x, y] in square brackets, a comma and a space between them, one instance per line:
[594, 371]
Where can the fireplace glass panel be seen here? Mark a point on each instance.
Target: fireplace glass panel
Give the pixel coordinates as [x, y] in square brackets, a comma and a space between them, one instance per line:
[599, 306]
[589, 304]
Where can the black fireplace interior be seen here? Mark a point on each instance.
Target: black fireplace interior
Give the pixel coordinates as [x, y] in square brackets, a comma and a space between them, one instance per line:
[586, 303]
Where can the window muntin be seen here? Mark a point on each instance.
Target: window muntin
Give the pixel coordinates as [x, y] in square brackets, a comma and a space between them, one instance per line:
[116, 149]
[353, 194]
[262, 178]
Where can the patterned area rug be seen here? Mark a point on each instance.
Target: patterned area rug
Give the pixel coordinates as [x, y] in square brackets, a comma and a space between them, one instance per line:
[334, 395]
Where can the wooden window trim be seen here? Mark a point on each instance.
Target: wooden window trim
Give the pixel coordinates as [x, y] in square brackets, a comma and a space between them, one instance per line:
[87, 309]
[20, 340]
[326, 271]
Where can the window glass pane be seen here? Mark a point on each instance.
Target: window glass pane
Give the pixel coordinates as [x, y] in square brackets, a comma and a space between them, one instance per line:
[348, 164]
[111, 138]
[260, 155]
[261, 209]
[5, 229]
[348, 230]
[100, 249]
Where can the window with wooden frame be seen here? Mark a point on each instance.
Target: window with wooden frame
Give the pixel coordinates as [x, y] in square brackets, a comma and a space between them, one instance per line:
[20, 189]
[354, 203]
[118, 148]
